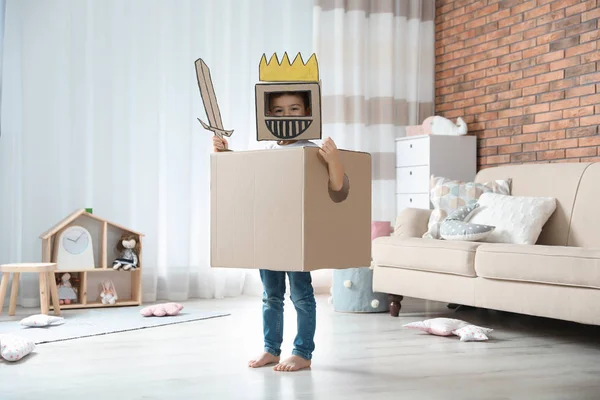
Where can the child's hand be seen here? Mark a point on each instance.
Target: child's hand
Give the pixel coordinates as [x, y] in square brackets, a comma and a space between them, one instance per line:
[329, 152]
[219, 144]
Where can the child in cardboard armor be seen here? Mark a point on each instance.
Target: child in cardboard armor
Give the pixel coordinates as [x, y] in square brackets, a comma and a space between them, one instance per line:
[302, 294]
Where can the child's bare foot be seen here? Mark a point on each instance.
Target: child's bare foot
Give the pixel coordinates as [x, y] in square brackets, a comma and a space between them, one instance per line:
[264, 359]
[293, 363]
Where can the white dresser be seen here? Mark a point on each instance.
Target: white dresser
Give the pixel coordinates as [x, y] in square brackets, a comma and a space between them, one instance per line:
[419, 157]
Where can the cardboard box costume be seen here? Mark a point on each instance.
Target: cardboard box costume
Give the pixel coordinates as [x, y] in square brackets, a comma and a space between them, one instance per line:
[273, 209]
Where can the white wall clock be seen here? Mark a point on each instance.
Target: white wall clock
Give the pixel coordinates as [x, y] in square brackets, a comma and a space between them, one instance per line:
[74, 249]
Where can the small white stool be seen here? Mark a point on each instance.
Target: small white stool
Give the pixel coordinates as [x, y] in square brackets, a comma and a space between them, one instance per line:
[46, 274]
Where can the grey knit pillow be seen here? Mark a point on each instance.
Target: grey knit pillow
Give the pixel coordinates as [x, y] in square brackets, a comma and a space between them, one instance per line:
[454, 227]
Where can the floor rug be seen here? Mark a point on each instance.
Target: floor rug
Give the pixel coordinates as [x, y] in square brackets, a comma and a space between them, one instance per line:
[93, 322]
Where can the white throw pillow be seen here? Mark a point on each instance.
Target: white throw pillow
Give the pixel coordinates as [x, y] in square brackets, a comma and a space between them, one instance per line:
[42, 320]
[450, 326]
[14, 348]
[518, 219]
[472, 333]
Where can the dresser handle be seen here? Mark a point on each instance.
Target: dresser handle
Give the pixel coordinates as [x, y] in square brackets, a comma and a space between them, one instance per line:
[411, 146]
[411, 200]
[410, 172]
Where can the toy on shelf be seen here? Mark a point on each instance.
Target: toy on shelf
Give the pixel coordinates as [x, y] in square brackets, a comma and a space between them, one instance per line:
[66, 292]
[108, 293]
[130, 249]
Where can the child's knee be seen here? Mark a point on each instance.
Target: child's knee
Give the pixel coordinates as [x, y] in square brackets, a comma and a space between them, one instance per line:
[306, 302]
[273, 301]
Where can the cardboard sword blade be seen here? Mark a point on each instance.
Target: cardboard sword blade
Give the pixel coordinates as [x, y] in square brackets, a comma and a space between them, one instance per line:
[207, 91]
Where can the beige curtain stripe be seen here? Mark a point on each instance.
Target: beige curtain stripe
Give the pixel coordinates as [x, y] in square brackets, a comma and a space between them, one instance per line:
[384, 164]
[411, 9]
[374, 111]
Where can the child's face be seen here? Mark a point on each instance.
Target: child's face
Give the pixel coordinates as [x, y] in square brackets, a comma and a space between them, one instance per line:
[288, 105]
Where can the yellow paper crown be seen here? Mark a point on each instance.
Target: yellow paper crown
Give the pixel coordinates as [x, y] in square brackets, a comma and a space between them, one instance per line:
[285, 72]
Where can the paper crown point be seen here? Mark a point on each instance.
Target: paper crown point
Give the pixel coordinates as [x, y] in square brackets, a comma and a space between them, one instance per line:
[275, 71]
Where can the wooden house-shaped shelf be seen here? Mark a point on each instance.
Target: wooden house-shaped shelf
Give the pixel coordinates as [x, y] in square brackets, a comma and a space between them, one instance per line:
[87, 281]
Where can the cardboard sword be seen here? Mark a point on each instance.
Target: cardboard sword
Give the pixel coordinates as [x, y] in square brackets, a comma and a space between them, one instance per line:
[207, 91]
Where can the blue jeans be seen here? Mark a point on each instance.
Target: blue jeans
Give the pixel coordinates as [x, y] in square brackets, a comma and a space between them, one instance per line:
[303, 297]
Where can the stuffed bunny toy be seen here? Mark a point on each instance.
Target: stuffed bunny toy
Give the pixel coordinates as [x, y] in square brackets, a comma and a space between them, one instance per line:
[129, 248]
[109, 293]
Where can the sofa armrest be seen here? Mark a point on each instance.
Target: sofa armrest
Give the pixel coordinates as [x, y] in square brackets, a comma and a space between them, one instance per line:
[411, 222]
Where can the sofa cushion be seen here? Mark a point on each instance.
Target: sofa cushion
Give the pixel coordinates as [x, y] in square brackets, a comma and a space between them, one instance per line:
[449, 257]
[554, 265]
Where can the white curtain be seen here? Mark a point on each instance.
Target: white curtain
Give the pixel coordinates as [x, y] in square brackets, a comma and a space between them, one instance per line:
[376, 61]
[99, 108]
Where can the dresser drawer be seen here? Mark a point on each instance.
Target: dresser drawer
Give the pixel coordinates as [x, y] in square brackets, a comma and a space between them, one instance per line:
[415, 200]
[411, 152]
[412, 179]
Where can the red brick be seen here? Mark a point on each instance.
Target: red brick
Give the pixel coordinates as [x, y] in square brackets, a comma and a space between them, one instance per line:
[590, 159]
[511, 94]
[550, 116]
[589, 36]
[503, 15]
[511, 58]
[591, 78]
[550, 76]
[498, 123]
[528, 5]
[561, 105]
[477, 126]
[522, 101]
[509, 21]
[474, 41]
[497, 70]
[454, 113]
[498, 105]
[522, 157]
[475, 93]
[554, 16]
[581, 28]
[562, 4]
[523, 26]
[475, 23]
[540, 69]
[525, 138]
[503, 159]
[582, 152]
[581, 49]
[556, 55]
[511, 76]
[475, 109]
[589, 141]
[536, 127]
[537, 108]
[582, 132]
[562, 144]
[595, 13]
[500, 87]
[510, 131]
[540, 30]
[544, 87]
[551, 96]
[539, 146]
[522, 45]
[580, 91]
[578, 112]
[486, 63]
[510, 112]
[475, 75]
[487, 116]
[564, 63]
[511, 39]
[455, 46]
[552, 135]
[536, 51]
[594, 99]
[509, 3]
[550, 155]
[485, 99]
[497, 141]
[536, 12]
[580, 8]
[510, 149]
[488, 151]
[564, 124]
[591, 120]
[523, 83]
[564, 84]
[487, 133]
[562, 43]
[482, 12]
[444, 74]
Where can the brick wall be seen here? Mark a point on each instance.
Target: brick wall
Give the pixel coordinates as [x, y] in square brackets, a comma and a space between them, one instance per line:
[525, 76]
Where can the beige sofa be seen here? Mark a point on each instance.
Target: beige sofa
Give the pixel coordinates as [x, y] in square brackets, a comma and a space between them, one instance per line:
[559, 277]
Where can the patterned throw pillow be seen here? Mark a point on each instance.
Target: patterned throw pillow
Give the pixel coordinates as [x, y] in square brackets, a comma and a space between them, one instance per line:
[449, 195]
[454, 226]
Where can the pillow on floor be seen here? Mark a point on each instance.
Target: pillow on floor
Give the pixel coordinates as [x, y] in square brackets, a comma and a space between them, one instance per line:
[14, 348]
[454, 226]
[40, 320]
[448, 195]
[450, 326]
[518, 219]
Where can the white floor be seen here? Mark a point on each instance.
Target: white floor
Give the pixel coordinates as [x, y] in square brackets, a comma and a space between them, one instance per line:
[358, 356]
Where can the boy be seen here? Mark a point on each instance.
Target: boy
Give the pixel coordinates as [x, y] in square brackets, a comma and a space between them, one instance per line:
[302, 294]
